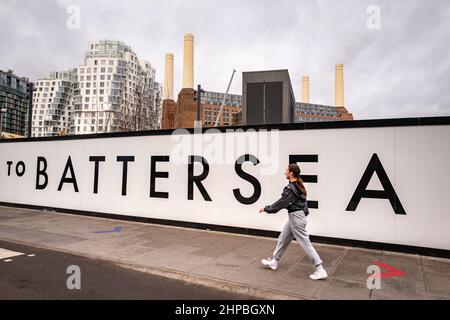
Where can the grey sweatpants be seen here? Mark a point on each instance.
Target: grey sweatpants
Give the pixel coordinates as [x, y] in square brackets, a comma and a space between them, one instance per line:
[296, 227]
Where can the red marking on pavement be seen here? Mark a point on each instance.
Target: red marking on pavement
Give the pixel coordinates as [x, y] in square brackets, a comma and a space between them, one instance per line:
[392, 272]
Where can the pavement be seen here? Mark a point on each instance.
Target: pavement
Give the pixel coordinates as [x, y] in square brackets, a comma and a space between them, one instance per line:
[225, 261]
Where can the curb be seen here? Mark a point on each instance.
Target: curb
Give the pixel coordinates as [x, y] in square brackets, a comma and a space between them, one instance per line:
[231, 287]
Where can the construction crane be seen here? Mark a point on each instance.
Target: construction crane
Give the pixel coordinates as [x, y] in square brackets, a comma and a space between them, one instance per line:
[223, 101]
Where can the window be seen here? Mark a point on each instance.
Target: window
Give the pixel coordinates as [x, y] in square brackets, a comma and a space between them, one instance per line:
[103, 62]
[103, 70]
[111, 62]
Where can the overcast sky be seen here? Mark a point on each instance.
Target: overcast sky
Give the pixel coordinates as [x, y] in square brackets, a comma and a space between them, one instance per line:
[401, 69]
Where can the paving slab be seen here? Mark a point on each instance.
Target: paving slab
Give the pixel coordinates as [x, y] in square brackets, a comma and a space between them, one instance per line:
[437, 277]
[354, 263]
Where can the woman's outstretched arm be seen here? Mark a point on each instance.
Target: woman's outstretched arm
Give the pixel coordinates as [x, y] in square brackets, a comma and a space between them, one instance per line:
[287, 197]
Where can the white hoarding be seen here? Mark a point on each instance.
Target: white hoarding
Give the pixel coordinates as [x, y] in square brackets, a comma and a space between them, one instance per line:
[380, 184]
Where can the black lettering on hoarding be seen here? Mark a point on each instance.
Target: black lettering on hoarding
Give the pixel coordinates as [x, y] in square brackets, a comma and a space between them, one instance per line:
[256, 185]
[9, 163]
[72, 179]
[157, 174]
[21, 171]
[96, 161]
[294, 158]
[388, 192]
[41, 172]
[197, 179]
[125, 160]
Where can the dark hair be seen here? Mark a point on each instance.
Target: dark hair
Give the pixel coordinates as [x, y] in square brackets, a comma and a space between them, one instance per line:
[295, 169]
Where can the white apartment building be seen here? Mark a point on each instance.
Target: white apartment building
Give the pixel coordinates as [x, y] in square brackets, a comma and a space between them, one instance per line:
[114, 91]
[52, 104]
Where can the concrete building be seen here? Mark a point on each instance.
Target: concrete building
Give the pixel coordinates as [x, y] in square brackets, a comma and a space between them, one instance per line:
[52, 104]
[114, 91]
[268, 97]
[15, 100]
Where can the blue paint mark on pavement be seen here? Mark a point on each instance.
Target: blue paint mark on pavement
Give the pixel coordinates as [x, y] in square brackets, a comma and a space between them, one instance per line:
[116, 229]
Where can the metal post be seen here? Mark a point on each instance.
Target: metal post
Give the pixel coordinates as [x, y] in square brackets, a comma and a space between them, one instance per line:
[198, 98]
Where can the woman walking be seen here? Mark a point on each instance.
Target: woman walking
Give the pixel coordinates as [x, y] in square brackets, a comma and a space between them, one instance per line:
[293, 199]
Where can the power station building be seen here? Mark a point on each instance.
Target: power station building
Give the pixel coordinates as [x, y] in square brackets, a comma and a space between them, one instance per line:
[268, 98]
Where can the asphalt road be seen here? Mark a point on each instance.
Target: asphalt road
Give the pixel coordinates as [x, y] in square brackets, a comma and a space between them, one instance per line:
[44, 276]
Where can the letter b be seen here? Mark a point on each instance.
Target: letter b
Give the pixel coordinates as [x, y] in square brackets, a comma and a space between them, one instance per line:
[41, 172]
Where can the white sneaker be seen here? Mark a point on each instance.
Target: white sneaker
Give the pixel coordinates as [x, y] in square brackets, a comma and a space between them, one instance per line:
[270, 263]
[319, 275]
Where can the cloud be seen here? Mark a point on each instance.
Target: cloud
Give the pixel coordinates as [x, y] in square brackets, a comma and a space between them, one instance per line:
[401, 70]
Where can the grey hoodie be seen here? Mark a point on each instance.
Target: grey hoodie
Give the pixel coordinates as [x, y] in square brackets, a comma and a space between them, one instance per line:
[291, 199]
